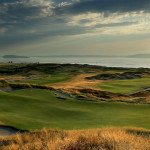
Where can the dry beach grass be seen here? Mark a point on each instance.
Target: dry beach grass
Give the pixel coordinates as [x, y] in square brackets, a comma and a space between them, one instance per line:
[94, 139]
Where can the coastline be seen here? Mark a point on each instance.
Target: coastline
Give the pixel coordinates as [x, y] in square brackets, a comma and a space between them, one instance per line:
[98, 61]
[72, 64]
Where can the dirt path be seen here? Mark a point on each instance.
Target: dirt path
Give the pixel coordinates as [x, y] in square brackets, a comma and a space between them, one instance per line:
[78, 81]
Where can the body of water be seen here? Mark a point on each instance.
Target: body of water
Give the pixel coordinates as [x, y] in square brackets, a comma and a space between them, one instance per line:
[92, 60]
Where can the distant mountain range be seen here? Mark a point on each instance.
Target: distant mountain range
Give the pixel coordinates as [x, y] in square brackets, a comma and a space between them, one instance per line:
[14, 56]
[139, 56]
[101, 56]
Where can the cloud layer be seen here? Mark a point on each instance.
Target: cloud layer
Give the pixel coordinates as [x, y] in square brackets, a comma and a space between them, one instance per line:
[110, 6]
[23, 21]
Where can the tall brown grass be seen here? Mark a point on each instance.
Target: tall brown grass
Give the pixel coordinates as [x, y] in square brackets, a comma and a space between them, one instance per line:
[95, 139]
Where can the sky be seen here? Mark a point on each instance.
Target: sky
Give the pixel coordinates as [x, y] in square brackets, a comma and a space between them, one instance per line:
[74, 27]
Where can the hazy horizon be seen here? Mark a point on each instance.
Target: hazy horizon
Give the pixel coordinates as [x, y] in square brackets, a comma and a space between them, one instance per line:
[80, 55]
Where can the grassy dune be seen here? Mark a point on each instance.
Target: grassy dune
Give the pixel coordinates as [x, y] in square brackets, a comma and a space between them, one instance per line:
[47, 80]
[125, 86]
[96, 139]
[35, 109]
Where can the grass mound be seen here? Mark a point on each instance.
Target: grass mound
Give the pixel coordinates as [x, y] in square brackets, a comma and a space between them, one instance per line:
[37, 108]
[96, 139]
[117, 76]
[125, 86]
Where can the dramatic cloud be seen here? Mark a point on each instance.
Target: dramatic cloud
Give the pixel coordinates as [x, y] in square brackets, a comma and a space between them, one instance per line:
[27, 21]
[26, 9]
[124, 22]
[110, 6]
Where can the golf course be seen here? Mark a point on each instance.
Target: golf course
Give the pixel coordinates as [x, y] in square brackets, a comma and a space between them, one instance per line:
[34, 109]
[72, 98]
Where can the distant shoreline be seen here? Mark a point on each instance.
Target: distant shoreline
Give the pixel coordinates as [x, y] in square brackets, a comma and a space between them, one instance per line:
[14, 56]
[72, 64]
[124, 62]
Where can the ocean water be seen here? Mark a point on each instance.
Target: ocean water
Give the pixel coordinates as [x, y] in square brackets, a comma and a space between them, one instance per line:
[92, 60]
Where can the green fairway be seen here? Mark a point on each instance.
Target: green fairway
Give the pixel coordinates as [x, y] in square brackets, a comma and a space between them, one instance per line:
[47, 80]
[125, 86]
[35, 109]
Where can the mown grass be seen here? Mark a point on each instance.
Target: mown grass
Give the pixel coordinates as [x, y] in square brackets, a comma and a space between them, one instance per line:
[95, 139]
[125, 86]
[47, 80]
[35, 109]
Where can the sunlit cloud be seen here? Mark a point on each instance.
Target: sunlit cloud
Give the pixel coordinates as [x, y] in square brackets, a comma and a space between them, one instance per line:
[28, 21]
[116, 23]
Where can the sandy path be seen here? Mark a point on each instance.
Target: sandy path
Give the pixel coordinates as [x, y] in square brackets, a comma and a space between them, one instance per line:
[6, 131]
[78, 81]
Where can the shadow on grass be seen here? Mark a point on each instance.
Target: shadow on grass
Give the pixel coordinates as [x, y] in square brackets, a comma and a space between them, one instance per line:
[142, 133]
